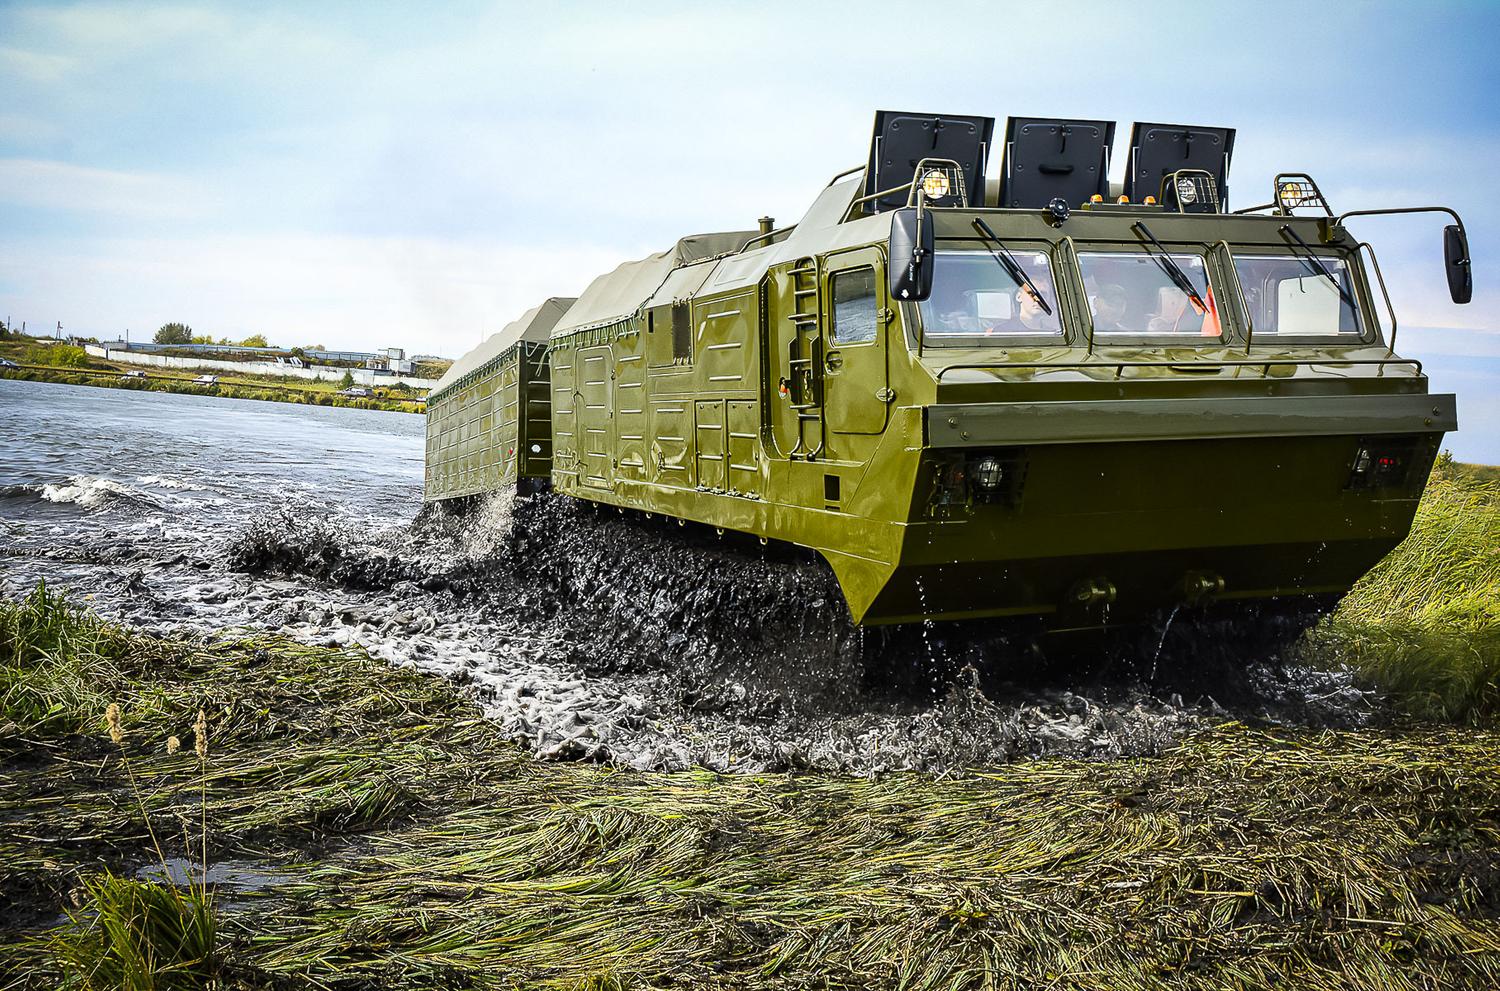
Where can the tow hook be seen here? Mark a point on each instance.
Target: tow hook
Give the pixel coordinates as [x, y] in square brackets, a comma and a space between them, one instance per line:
[1094, 591]
[1200, 585]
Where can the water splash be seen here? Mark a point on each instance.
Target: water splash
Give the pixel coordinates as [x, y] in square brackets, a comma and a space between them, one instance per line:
[1166, 627]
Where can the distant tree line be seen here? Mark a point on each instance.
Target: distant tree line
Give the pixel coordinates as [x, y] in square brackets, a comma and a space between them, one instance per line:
[181, 333]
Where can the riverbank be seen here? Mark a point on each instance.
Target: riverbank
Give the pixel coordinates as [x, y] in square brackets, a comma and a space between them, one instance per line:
[1424, 624]
[96, 372]
[367, 827]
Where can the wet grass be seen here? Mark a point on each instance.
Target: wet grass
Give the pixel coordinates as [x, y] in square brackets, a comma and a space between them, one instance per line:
[1424, 625]
[131, 935]
[404, 844]
[58, 665]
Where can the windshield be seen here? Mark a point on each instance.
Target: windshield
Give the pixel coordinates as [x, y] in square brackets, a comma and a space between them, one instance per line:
[974, 296]
[1288, 295]
[1135, 293]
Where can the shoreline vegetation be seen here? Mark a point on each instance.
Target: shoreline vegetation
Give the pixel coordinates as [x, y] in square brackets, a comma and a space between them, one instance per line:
[69, 365]
[366, 827]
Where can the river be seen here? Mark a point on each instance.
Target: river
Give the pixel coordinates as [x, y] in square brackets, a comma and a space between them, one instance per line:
[147, 506]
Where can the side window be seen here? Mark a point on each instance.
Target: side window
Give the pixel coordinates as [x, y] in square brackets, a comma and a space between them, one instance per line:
[1288, 295]
[1307, 305]
[682, 332]
[855, 320]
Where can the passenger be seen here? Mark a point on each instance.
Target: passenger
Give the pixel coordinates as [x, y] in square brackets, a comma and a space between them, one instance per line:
[958, 314]
[1109, 309]
[1171, 306]
[1029, 318]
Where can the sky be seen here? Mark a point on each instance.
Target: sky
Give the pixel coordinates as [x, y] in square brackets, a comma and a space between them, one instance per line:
[365, 175]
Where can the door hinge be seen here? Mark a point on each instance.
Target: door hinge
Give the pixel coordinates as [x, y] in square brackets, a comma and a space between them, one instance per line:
[886, 314]
[886, 394]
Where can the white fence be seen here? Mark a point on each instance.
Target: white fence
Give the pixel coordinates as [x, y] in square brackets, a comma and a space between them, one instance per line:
[325, 373]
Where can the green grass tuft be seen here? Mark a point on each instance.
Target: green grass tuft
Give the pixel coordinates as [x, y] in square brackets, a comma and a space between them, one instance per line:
[1424, 625]
[138, 936]
[56, 664]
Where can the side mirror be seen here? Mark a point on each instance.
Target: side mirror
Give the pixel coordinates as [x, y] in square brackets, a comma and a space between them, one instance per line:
[911, 261]
[1455, 261]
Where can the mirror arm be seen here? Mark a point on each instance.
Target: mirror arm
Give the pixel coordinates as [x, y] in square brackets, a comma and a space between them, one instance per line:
[1329, 226]
[917, 256]
[1333, 227]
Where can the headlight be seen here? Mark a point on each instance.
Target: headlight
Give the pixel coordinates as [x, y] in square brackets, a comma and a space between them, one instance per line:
[935, 184]
[988, 474]
[1187, 191]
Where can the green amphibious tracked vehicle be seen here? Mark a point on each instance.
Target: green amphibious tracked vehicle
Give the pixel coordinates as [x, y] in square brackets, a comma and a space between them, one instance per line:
[1043, 394]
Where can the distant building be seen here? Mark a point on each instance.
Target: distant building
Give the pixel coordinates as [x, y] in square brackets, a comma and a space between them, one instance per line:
[392, 362]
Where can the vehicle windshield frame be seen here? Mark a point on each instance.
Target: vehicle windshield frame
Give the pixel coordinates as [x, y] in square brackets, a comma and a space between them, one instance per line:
[980, 248]
[1370, 326]
[1213, 289]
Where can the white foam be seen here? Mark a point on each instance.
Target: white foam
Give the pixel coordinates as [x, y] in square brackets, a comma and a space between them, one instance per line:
[89, 491]
[164, 482]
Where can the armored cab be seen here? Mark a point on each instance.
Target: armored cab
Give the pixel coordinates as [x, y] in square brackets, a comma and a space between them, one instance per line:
[1044, 395]
[488, 419]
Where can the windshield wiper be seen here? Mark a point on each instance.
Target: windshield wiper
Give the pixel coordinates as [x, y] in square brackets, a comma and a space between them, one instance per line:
[1174, 272]
[1012, 267]
[1313, 262]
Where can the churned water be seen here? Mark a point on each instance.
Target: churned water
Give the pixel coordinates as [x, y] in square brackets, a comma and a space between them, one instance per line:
[586, 634]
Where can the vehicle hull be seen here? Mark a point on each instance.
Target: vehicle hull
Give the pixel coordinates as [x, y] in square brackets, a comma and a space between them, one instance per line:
[775, 388]
[1113, 532]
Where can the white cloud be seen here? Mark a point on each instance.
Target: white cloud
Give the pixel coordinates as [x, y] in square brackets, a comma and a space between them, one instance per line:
[371, 170]
[61, 186]
[37, 67]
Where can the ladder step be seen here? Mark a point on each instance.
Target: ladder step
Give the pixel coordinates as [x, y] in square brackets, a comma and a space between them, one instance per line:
[805, 292]
[801, 271]
[800, 361]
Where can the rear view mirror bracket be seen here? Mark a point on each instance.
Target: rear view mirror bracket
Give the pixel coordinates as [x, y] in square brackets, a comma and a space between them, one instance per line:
[1457, 264]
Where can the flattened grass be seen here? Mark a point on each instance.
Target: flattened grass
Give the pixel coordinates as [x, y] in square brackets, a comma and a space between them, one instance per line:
[1424, 625]
[409, 846]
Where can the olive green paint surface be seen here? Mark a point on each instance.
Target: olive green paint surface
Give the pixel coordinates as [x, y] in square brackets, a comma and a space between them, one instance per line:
[712, 383]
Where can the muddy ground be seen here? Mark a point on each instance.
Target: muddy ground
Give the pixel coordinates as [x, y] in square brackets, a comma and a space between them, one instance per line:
[369, 827]
[616, 637]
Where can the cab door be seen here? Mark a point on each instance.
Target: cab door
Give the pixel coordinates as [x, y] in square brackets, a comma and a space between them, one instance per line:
[856, 386]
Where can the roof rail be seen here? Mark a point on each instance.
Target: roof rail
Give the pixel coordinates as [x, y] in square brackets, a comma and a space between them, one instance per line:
[763, 237]
[836, 178]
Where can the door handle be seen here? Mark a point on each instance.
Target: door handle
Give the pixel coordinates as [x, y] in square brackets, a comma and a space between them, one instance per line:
[834, 361]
